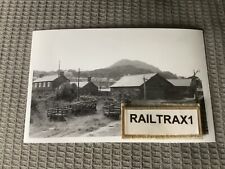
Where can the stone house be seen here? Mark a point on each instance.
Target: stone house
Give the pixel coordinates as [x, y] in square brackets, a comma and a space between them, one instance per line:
[86, 87]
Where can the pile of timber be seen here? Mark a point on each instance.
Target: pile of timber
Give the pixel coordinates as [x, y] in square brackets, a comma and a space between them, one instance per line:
[83, 107]
[75, 108]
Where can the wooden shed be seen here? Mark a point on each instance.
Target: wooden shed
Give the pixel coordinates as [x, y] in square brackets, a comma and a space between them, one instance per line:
[141, 86]
[153, 86]
[182, 88]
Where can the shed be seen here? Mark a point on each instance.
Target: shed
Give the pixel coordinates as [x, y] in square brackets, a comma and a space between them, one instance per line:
[182, 88]
[141, 86]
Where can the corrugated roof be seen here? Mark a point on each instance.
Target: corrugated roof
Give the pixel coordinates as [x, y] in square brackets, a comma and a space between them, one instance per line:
[133, 80]
[46, 78]
[81, 84]
[180, 82]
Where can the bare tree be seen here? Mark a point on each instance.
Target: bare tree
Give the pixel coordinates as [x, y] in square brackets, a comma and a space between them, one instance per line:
[195, 72]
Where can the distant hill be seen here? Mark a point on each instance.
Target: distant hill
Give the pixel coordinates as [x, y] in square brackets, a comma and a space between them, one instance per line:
[127, 67]
[117, 72]
[136, 64]
[119, 69]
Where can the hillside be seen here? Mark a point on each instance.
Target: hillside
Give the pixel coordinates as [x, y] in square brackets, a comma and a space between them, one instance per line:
[136, 64]
[125, 67]
[116, 72]
[119, 69]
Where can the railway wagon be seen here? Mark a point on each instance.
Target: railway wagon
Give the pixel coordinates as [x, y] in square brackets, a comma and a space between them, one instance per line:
[112, 109]
[58, 113]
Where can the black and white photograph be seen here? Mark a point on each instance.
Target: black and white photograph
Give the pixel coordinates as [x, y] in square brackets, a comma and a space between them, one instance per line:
[79, 78]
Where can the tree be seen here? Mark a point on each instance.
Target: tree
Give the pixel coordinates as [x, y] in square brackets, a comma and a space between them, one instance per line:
[66, 92]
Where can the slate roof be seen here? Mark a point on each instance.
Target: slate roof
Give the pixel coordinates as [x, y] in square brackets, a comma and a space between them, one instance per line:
[180, 82]
[133, 80]
[49, 78]
[81, 84]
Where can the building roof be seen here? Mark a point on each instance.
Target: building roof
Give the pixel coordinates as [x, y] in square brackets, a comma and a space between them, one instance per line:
[46, 78]
[133, 80]
[81, 84]
[180, 82]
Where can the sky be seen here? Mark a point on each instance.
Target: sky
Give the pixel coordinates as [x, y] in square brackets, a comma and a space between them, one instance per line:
[179, 51]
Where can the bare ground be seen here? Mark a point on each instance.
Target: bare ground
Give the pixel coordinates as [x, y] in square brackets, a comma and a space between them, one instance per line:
[95, 124]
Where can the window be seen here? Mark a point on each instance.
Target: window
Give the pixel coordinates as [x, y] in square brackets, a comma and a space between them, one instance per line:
[35, 85]
[49, 84]
[39, 84]
[44, 84]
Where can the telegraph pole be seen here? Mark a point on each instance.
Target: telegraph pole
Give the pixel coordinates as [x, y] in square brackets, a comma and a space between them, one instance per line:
[78, 85]
[144, 88]
[59, 69]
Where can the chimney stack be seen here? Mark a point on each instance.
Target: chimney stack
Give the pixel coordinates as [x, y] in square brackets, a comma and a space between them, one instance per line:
[61, 73]
[89, 78]
[41, 75]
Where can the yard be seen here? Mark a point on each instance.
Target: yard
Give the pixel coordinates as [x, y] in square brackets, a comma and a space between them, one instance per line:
[95, 124]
